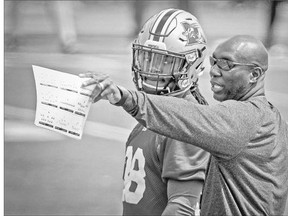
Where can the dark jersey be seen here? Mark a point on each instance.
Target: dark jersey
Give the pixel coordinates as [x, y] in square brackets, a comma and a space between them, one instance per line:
[151, 160]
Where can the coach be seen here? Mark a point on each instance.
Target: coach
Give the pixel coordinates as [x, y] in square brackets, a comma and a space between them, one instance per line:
[245, 134]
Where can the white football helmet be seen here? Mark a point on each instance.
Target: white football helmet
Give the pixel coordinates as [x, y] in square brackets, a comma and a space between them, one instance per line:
[169, 52]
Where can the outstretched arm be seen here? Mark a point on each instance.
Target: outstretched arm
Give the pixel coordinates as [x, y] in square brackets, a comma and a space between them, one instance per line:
[218, 129]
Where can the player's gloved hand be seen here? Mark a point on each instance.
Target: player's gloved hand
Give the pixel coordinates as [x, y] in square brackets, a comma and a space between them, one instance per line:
[105, 88]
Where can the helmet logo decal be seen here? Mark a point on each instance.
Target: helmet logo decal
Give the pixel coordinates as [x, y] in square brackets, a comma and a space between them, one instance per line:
[193, 33]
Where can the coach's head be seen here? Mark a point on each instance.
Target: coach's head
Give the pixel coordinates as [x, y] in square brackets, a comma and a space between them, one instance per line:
[237, 68]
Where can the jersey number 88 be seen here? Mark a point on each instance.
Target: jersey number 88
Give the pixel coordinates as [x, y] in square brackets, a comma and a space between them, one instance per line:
[134, 174]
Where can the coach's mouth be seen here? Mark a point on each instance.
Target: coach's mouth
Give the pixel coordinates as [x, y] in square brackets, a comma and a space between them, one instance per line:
[215, 87]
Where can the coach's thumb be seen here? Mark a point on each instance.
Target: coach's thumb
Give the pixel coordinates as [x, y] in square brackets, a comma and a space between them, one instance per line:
[115, 96]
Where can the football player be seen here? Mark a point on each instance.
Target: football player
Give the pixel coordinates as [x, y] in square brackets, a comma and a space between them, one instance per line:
[161, 178]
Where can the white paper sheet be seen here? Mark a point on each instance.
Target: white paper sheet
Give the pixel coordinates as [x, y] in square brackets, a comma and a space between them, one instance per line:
[62, 105]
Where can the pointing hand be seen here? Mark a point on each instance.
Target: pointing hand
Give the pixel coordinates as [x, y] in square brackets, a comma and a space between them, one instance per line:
[105, 88]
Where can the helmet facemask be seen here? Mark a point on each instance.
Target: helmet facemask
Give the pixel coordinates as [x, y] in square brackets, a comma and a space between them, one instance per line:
[158, 71]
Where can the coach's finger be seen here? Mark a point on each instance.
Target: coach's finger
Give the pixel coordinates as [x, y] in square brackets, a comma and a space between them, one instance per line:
[95, 78]
[96, 93]
[110, 91]
[96, 75]
[97, 98]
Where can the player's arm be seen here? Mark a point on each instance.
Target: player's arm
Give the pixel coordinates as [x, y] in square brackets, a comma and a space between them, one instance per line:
[183, 197]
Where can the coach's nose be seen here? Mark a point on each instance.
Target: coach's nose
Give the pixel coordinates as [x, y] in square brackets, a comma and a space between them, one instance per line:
[215, 71]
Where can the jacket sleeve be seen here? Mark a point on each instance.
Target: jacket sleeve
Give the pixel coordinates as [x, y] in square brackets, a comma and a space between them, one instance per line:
[222, 129]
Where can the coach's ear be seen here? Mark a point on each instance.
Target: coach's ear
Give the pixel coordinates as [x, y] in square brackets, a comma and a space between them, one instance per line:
[255, 74]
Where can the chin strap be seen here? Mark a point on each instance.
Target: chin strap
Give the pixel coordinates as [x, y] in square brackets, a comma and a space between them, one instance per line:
[197, 95]
[155, 90]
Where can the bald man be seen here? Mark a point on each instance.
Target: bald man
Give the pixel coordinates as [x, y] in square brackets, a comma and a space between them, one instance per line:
[248, 139]
[238, 67]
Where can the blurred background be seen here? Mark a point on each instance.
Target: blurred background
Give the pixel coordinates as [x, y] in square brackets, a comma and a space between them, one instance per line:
[46, 173]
